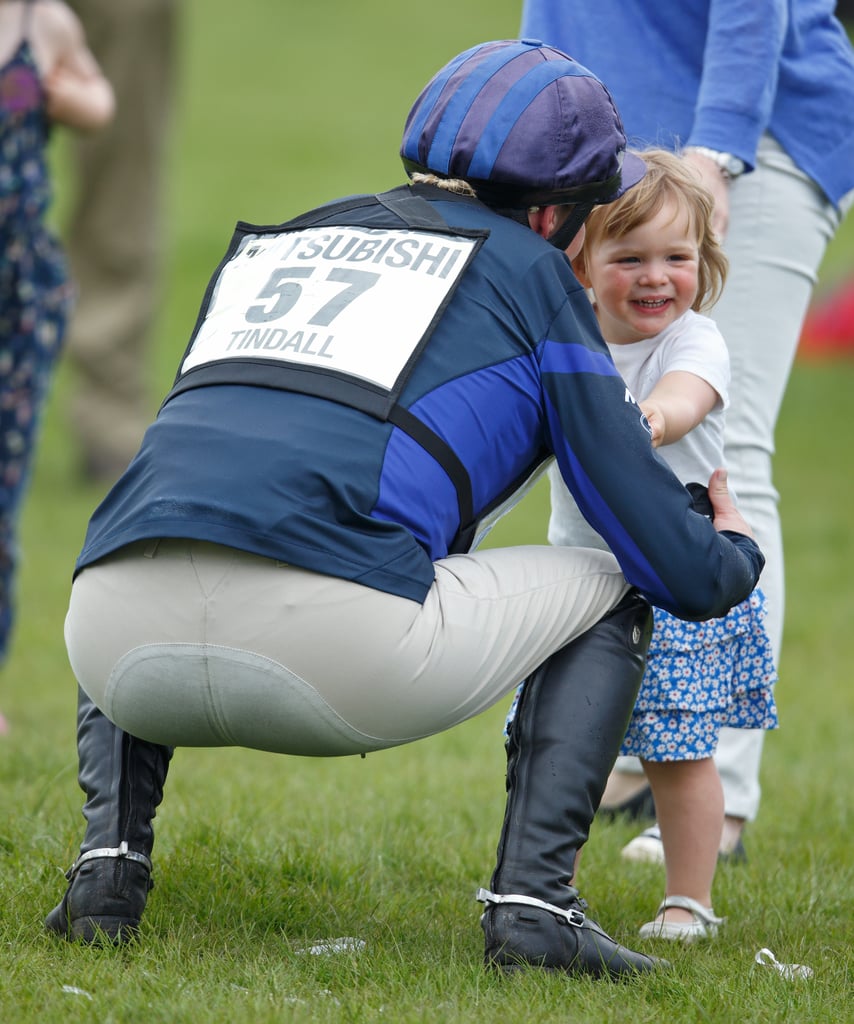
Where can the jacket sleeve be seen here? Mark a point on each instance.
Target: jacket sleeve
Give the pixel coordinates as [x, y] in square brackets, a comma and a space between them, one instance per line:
[741, 65]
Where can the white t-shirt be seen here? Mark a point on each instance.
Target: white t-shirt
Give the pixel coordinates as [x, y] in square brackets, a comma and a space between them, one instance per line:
[693, 344]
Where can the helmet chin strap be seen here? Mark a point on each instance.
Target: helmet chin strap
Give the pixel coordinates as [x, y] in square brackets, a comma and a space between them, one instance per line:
[561, 238]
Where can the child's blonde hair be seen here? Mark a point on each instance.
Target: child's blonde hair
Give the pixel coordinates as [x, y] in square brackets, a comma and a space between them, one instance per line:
[668, 177]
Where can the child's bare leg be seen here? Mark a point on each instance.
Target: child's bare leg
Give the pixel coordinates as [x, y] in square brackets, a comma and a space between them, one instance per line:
[690, 805]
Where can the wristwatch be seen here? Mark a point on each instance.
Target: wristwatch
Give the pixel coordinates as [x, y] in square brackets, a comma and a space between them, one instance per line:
[730, 165]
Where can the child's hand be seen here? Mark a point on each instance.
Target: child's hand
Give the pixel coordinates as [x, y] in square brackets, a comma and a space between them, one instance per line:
[678, 403]
[655, 418]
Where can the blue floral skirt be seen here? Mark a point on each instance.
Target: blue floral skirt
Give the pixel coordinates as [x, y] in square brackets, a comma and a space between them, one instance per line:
[700, 677]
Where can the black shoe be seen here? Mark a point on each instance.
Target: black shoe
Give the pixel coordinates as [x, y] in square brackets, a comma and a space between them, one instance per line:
[640, 807]
[105, 898]
[522, 932]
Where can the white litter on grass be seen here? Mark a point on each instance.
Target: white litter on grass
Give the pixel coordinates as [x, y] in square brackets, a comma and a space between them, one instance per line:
[765, 958]
[347, 944]
[72, 990]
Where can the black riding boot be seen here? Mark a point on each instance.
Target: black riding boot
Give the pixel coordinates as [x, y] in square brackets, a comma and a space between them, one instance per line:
[569, 725]
[122, 777]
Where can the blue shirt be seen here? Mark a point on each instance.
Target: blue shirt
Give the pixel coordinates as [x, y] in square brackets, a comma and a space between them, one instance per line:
[719, 73]
[514, 372]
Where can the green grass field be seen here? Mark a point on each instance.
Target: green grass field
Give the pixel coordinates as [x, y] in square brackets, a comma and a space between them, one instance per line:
[260, 857]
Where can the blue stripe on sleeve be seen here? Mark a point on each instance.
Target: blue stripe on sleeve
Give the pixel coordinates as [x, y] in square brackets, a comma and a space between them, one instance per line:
[636, 568]
[555, 358]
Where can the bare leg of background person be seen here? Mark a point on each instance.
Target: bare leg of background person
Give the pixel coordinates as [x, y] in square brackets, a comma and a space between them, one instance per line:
[624, 783]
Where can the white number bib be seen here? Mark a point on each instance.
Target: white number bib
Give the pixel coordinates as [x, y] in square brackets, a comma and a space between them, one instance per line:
[351, 300]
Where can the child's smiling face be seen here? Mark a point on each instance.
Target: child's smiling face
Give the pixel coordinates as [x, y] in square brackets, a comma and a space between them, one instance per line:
[647, 278]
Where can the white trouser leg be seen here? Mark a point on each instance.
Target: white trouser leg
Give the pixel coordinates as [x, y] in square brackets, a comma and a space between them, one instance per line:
[780, 225]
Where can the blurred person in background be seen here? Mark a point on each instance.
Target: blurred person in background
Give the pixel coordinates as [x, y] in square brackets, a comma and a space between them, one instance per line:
[48, 76]
[115, 234]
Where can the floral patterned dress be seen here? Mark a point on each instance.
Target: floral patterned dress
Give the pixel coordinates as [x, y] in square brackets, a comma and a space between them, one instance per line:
[35, 296]
[700, 677]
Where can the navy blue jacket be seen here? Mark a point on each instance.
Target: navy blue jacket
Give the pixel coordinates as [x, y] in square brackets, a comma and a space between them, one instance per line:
[513, 372]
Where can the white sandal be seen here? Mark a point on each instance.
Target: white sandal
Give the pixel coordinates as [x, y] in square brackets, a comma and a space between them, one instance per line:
[704, 926]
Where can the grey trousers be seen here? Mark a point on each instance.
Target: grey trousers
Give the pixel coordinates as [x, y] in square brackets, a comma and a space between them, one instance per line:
[188, 643]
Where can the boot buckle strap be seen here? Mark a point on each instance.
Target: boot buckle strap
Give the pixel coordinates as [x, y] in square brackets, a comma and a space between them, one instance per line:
[117, 851]
[574, 917]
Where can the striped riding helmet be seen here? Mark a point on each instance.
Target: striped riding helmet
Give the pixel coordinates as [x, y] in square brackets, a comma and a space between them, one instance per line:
[524, 124]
